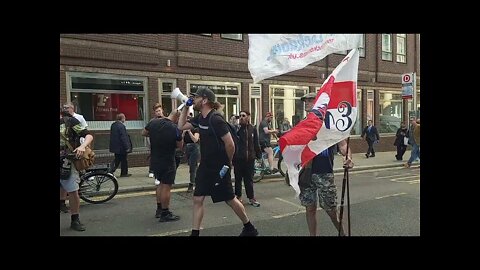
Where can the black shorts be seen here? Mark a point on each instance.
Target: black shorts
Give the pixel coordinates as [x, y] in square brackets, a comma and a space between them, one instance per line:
[209, 183]
[165, 175]
[264, 145]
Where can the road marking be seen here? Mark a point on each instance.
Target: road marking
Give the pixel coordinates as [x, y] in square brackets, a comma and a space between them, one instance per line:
[290, 214]
[171, 233]
[392, 195]
[289, 202]
[301, 209]
[406, 177]
[393, 175]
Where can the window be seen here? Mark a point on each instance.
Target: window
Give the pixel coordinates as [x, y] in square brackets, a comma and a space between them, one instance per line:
[255, 104]
[227, 93]
[165, 88]
[357, 128]
[370, 105]
[401, 48]
[232, 36]
[361, 49]
[100, 97]
[390, 111]
[387, 47]
[285, 103]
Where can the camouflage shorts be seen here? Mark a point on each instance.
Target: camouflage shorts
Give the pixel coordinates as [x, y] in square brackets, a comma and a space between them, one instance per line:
[323, 187]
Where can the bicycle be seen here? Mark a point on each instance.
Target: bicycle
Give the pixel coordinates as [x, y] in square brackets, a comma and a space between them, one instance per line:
[97, 185]
[260, 168]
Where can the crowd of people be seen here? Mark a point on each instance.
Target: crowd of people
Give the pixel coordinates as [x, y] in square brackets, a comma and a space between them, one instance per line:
[209, 147]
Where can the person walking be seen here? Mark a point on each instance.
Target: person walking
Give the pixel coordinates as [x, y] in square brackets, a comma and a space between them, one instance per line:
[370, 134]
[120, 145]
[244, 159]
[400, 141]
[216, 149]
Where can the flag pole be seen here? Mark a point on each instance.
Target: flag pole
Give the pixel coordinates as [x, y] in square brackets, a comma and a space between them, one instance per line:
[345, 183]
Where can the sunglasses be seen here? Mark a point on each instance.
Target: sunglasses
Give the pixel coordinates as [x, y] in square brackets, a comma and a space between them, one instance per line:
[243, 115]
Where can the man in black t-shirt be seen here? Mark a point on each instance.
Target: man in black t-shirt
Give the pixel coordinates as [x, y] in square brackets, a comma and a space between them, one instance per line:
[164, 138]
[216, 150]
[265, 132]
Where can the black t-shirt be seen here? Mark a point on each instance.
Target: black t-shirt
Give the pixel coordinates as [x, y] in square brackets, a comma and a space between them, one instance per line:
[163, 137]
[187, 138]
[212, 153]
[323, 162]
[262, 137]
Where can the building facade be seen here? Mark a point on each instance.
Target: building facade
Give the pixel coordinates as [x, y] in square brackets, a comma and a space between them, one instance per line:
[105, 74]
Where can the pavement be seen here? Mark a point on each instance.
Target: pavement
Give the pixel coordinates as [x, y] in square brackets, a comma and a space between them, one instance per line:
[139, 180]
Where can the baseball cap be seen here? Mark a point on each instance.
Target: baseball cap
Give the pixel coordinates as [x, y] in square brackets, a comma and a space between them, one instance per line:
[205, 92]
[308, 96]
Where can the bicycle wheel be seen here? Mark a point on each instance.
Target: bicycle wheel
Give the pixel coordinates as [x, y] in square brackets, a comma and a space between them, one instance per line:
[98, 187]
[282, 167]
[258, 170]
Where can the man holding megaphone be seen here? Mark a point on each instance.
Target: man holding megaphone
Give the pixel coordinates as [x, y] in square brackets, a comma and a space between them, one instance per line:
[216, 151]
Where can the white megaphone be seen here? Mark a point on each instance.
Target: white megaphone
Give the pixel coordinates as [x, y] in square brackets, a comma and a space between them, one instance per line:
[180, 97]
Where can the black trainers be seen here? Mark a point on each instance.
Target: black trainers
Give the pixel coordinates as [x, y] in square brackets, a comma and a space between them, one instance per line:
[275, 170]
[246, 232]
[77, 225]
[169, 217]
[158, 213]
[64, 208]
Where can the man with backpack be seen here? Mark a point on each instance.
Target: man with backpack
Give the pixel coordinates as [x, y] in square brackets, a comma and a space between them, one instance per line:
[71, 131]
[217, 148]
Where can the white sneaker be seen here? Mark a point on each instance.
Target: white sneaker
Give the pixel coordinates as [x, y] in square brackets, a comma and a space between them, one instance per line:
[157, 182]
[150, 175]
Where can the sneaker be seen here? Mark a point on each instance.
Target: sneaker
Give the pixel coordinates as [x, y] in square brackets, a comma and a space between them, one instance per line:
[254, 203]
[126, 175]
[274, 171]
[64, 208]
[150, 175]
[190, 188]
[246, 232]
[158, 213]
[77, 226]
[169, 217]
[407, 165]
[366, 155]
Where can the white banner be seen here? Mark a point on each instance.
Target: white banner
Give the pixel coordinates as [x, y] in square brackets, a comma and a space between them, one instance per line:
[275, 54]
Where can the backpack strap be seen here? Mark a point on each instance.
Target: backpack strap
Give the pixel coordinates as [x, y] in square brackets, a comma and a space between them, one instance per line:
[63, 136]
[210, 125]
[65, 139]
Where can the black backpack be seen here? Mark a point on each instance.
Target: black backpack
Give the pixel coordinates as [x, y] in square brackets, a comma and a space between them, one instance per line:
[231, 128]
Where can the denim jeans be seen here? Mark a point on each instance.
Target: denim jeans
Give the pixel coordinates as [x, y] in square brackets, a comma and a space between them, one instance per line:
[415, 153]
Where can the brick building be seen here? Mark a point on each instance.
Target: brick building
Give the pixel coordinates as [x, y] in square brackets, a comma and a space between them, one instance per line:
[104, 74]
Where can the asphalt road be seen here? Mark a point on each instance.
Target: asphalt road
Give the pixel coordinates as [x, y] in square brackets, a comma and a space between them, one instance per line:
[383, 203]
